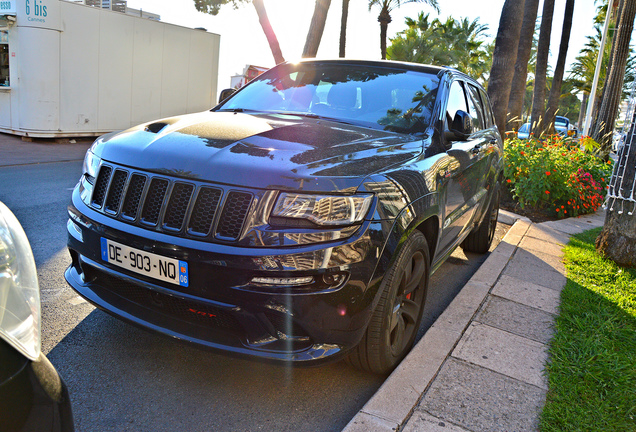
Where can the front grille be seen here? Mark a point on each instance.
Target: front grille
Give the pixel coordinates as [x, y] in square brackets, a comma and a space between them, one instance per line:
[234, 212]
[173, 206]
[116, 191]
[183, 309]
[101, 187]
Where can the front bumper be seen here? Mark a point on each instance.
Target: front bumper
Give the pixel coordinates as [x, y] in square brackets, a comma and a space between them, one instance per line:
[221, 308]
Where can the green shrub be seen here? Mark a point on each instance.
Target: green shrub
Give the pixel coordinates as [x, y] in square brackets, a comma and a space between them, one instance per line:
[555, 175]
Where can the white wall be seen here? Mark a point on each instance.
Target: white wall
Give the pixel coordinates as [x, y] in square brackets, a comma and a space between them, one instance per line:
[96, 71]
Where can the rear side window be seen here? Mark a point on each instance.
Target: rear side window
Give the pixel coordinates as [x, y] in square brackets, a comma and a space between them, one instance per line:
[488, 116]
[475, 107]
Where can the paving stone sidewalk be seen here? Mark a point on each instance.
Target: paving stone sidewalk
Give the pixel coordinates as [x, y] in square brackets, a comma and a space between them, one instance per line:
[480, 366]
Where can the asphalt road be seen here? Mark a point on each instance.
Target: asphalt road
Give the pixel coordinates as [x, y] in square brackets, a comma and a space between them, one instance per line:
[125, 379]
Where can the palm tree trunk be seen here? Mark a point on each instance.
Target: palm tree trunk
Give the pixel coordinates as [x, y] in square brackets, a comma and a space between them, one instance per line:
[384, 19]
[555, 91]
[615, 8]
[543, 51]
[316, 28]
[343, 28]
[614, 83]
[518, 88]
[268, 30]
[617, 240]
[504, 59]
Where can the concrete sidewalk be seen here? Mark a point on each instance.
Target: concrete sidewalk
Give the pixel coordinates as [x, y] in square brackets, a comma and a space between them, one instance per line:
[480, 366]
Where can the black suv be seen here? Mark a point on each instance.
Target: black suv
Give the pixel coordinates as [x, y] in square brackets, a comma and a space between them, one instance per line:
[300, 219]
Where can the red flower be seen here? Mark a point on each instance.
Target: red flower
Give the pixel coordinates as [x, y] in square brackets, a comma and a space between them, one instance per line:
[547, 192]
[509, 180]
[547, 173]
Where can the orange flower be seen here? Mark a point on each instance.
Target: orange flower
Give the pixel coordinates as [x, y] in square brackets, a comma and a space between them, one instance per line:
[509, 180]
[557, 210]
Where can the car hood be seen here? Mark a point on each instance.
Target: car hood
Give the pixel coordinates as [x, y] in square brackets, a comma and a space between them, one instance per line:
[259, 150]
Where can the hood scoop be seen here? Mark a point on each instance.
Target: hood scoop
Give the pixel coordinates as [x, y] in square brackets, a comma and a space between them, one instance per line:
[155, 127]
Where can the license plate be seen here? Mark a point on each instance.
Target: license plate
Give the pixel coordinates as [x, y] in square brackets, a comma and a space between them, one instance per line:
[145, 263]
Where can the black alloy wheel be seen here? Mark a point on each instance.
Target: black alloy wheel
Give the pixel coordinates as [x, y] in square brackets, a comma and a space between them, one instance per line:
[396, 320]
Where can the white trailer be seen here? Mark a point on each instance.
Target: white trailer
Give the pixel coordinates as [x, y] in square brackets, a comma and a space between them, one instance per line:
[67, 69]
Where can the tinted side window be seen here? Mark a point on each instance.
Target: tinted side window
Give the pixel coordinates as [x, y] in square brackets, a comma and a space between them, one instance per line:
[456, 101]
[475, 107]
[490, 119]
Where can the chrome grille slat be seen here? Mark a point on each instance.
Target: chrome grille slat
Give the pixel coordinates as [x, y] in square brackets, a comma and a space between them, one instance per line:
[177, 207]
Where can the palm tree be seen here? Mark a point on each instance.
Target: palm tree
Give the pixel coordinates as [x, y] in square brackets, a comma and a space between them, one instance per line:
[504, 56]
[212, 7]
[618, 236]
[613, 88]
[316, 28]
[557, 80]
[540, 75]
[386, 6]
[455, 43]
[343, 28]
[518, 87]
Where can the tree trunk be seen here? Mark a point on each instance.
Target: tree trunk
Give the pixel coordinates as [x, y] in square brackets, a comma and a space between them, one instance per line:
[615, 8]
[614, 83]
[543, 51]
[555, 91]
[268, 30]
[384, 19]
[316, 28]
[617, 240]
[518, 88]
[343, 28]
[504, 59]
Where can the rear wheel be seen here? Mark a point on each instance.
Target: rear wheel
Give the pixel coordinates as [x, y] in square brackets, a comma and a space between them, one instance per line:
[397, 317]
[480, 239]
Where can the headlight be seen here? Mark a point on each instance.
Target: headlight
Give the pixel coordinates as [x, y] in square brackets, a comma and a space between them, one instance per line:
[19, 291]
[323, 210]
[91, 166]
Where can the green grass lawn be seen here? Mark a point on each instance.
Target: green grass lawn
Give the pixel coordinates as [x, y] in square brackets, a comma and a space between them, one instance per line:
[592, 369]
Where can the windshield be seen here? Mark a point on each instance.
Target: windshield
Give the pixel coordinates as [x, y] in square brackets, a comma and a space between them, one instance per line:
[389, 98]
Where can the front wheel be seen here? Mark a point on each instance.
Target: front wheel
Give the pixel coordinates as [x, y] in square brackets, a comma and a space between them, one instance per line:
[480, 239]
[397, 317]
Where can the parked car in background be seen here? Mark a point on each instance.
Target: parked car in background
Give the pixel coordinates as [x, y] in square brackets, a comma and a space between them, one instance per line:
[562, 126]
[524, 131]
[300, 219]
[33, 397]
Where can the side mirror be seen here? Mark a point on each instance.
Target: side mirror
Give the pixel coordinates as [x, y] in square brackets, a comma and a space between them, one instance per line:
[461, 128]
[226, 93]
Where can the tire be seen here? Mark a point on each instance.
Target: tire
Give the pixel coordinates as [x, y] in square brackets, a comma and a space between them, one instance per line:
[396, 319]
[480, 239]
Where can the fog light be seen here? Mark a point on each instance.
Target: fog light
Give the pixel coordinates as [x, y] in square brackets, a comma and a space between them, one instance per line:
[293, 281]
[333, 279]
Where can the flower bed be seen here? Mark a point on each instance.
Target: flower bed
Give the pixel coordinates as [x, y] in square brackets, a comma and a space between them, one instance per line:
[555, 176]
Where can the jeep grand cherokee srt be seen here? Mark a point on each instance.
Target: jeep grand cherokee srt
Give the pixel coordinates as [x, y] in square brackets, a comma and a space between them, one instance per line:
[298, 220]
